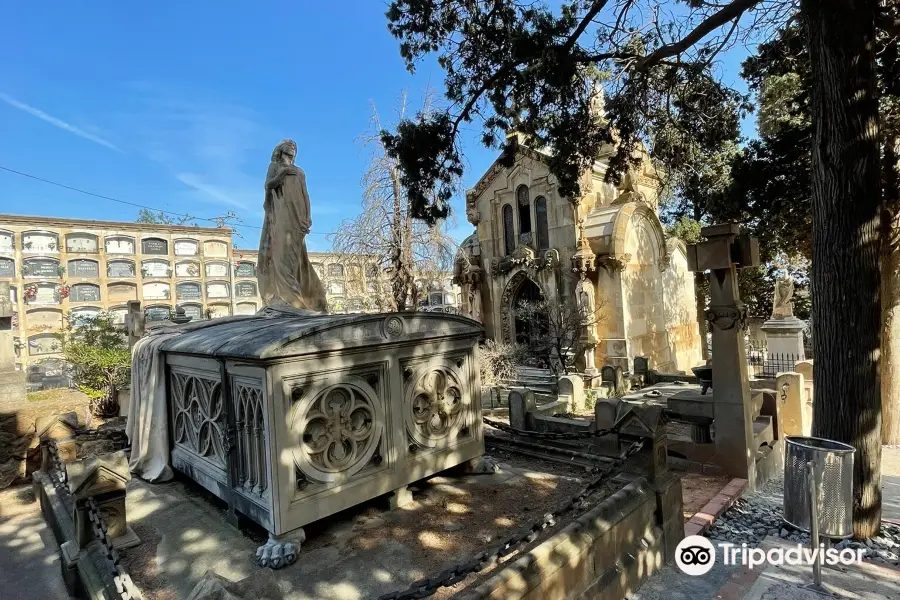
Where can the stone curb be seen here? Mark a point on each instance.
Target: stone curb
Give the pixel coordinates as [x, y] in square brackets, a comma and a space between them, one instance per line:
[706, 516]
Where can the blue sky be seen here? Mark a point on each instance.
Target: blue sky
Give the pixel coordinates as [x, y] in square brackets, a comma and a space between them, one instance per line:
[178, 105]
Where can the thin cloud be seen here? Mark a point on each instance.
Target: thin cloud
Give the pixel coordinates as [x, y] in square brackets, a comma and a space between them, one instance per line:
[35, 112]
[195, 181]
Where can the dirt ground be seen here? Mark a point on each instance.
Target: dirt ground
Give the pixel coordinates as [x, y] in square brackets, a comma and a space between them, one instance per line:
[697, 490]
[44, 403]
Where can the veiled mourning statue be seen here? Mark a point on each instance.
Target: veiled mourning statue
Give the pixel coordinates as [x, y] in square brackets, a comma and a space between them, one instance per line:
[783, 303]
[286, 278]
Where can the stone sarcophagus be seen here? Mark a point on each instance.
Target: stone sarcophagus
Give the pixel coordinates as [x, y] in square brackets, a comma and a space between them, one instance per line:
[290, 419]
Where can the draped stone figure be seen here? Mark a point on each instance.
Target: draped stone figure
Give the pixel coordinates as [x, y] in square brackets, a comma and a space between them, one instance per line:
[584, 292]
[783, 303]
[287, 279]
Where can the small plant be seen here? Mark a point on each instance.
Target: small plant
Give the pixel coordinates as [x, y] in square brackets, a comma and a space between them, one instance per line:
[61, 270]
[499, 362]
[590, 399]
[100, 359]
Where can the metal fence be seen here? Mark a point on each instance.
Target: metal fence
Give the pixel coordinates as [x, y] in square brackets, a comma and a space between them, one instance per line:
[761, 363]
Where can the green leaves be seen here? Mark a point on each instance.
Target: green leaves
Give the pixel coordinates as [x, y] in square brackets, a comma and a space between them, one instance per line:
[98, 352]
[525, 68]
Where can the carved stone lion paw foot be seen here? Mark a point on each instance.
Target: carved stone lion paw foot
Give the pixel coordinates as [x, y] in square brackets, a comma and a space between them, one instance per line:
[279, 553]
[484, 465]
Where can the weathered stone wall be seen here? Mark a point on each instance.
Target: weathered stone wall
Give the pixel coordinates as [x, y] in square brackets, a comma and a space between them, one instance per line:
[604, 555]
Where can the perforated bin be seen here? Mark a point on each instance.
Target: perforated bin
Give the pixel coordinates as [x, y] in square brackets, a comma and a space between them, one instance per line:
[833, 470]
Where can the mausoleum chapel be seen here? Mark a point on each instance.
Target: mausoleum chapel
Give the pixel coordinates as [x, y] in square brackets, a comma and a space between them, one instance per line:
[530, 243]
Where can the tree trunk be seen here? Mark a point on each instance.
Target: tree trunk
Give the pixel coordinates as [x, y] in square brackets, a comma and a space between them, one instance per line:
[846, 214]
[890, 302]
[398, 283]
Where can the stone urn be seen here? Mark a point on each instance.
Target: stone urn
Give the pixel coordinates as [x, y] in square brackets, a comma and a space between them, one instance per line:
[704, 376]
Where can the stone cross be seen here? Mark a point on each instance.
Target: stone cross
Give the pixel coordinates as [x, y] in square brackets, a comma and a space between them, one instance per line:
[12, 382]
[134, 322]
[724, 252]
[7, 334]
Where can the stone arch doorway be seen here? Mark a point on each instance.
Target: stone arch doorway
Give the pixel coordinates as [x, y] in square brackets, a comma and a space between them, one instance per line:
[526, 331]
[520, 287]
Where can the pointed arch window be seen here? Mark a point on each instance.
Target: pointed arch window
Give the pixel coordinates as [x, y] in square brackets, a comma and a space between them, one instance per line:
[509, 234]
[540, 215]
[524, 203]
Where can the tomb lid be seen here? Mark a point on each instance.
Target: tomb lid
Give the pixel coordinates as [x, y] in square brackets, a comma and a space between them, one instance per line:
[283, 335]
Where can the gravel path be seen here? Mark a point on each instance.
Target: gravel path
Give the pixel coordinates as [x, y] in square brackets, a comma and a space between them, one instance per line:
[757, 515]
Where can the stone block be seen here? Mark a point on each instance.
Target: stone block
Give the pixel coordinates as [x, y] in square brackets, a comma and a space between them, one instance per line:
[521, 402]
[733, 436]
[641, 365]
[103, 478]
[261, 585]
[572, 386]
[670, 512]
[606, 412]
[805, 368]
[796, 413]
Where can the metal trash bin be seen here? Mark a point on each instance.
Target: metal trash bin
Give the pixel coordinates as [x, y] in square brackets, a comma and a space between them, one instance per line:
[833, 469]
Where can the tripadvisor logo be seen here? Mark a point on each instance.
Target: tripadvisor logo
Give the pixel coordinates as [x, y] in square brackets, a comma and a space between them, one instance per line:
[695, 555]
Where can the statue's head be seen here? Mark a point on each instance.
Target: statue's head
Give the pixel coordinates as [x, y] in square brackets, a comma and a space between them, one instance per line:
[285, 152]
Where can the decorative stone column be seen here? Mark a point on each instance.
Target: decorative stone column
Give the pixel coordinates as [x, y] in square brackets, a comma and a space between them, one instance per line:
[724, 251]
[584, 262]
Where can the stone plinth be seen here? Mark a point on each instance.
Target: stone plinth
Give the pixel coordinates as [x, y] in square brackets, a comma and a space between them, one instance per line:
[784, 339]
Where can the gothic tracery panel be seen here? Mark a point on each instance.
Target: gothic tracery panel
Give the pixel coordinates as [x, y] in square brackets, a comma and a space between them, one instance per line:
[339, 427]
[198, 416]
[436, 404]
[250, 470]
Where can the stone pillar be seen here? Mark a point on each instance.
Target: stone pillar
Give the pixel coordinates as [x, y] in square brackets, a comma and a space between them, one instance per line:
[648, 424]
[12, 382]
[134, 322]
[796, 414]
[724, 251]
[102, 478]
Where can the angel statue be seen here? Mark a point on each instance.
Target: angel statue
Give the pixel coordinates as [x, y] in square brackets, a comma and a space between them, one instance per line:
[783, 304]
[287, 280]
